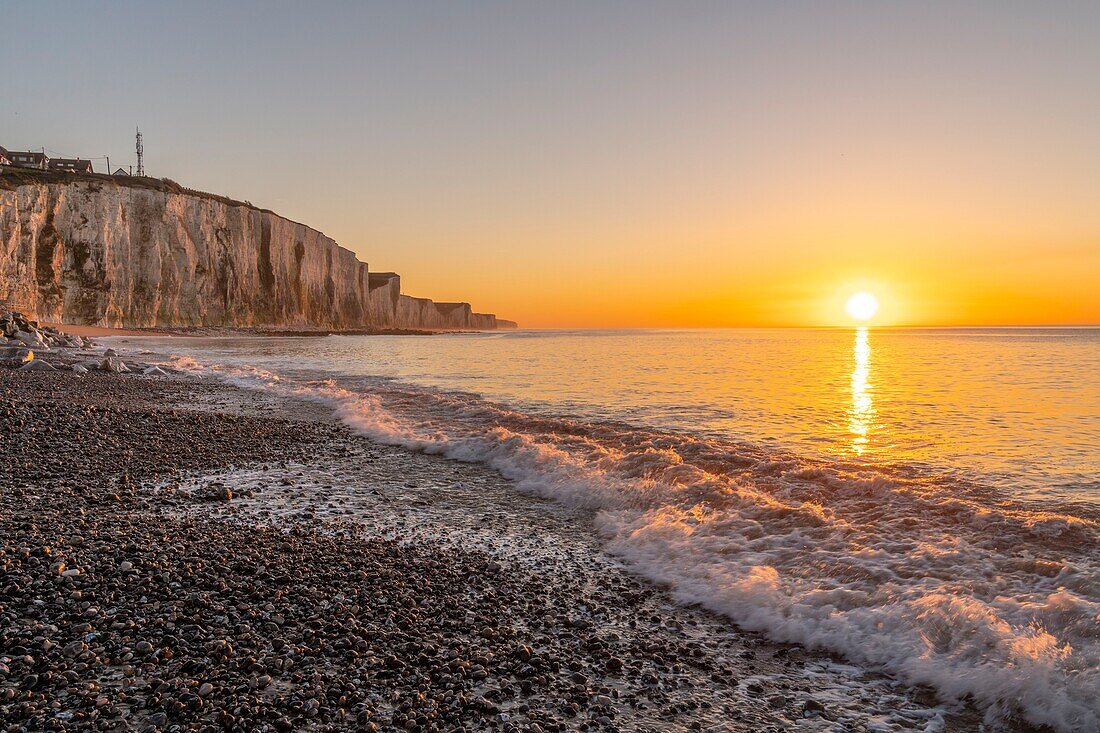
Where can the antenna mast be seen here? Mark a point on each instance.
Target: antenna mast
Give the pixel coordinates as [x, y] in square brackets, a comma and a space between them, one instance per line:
[140, 153]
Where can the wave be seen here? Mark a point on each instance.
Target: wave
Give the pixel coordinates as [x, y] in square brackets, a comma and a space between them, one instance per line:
[933, 581]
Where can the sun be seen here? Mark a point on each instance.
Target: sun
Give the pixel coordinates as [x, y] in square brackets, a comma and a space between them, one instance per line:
[862, 306]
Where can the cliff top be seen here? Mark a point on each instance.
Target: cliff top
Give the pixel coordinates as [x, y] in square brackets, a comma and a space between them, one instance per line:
[378, 280]
[13, 176]
[447, 308]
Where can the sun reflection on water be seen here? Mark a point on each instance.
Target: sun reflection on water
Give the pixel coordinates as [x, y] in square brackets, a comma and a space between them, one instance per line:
[862, 412]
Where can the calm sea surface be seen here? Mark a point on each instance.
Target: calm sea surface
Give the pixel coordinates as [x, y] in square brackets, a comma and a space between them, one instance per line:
[924, 502]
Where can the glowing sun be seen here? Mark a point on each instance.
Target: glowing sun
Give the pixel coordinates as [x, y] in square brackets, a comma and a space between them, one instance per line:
[862, 306]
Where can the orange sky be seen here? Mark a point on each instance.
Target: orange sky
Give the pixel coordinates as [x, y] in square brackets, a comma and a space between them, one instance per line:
[938, 248]
[607, 164]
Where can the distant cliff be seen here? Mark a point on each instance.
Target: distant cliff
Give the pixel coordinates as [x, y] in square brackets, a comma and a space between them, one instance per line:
[141, 252]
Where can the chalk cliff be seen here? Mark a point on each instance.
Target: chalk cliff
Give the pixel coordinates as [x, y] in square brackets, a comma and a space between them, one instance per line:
[141, 252]
[417, 310]
[385, 290]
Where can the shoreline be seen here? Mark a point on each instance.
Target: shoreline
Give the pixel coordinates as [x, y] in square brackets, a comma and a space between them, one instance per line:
[202, 332]
[501, 604]
[106, 331]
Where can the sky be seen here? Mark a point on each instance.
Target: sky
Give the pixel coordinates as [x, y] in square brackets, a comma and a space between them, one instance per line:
[607, 164]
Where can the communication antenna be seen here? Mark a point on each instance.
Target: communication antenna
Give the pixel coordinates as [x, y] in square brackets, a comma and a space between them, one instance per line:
[140, 153]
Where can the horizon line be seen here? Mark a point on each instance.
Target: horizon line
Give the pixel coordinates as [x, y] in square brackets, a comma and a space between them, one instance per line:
[815, 328]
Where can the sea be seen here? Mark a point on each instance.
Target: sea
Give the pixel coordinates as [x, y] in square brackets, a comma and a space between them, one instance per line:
[922, 502]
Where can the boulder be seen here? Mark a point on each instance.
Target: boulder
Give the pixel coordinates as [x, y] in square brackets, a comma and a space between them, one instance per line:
[36, 365]
[32, 339]
[114, 365]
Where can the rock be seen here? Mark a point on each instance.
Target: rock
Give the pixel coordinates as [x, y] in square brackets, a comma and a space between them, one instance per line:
[155, 371]
[37, 365]
[109, 353]
[32, 340]
[114, 365]
[214, 492]
[20, 353]
[812, 707]
[79, 369]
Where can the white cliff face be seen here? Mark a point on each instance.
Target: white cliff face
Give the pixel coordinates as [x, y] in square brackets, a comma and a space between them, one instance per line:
[385, 290]
[455, 315]
[113, 255]
[420, 311]
[145, 253]
[483, 321]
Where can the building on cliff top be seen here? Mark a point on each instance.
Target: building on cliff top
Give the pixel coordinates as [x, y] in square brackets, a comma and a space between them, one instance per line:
[27, 159]
[41, 161]
[71, 165]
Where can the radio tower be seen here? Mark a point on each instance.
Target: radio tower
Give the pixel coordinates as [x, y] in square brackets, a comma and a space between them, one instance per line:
[140, 152]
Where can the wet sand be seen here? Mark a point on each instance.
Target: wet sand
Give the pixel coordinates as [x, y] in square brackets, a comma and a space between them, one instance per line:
[179, 554]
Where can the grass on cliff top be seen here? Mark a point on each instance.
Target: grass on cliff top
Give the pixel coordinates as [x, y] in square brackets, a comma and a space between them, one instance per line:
[12, 177]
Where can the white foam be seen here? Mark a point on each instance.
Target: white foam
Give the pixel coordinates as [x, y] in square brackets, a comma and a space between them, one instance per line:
[929, 582]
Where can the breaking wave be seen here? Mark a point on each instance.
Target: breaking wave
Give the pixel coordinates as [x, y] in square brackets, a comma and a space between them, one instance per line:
[933, 581]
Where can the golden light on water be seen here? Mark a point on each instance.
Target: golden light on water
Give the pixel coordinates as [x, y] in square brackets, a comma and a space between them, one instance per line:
[862, 306]
[861, 415]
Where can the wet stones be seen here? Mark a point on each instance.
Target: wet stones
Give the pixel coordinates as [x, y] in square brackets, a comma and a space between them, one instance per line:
[20, 338]
[16, 328]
